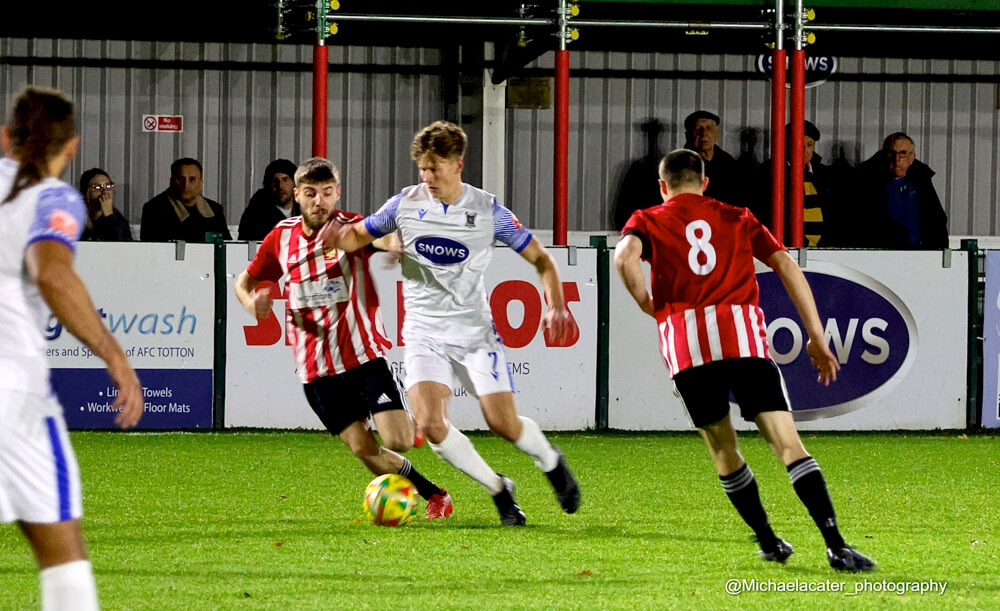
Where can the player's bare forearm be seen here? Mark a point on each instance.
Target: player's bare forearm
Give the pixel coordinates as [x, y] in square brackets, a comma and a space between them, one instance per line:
[256, 303]
[627, 262]
[347, 237]
[50, 265]
[798, 289]
[67, 297]
[548, 273]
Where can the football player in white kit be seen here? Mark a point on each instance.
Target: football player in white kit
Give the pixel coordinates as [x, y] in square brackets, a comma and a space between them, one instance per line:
[41, 218]
[447, 230]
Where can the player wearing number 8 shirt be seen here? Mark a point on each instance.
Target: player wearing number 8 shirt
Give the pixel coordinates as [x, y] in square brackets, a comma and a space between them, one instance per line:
[335, 325]
[713, 338]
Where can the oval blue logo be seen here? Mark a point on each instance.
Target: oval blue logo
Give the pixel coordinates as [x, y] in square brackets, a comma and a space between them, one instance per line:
[818, 68]
[872, 334]
[443, 251]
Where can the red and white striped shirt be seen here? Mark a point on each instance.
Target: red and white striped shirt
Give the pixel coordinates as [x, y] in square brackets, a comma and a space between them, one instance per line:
[704, 286]
[333, 316]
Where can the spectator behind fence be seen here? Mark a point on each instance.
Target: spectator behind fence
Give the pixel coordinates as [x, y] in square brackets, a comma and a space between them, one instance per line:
[104, 222]
[181, 212]
[822, 212]
[639, 188]
[273, 202]
[725, 178]
[898, 206]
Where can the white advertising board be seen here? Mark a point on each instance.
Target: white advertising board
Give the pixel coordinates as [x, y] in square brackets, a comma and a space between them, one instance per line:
[896, 320]
[556, 386]
[161, 310]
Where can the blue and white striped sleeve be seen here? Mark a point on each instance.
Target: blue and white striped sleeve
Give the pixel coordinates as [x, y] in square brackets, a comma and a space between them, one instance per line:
[59, 215]
[507, 229]
[384, 220]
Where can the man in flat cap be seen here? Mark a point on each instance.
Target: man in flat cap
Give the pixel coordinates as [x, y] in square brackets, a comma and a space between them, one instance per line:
[272, 203]
[823, 216]
[726, 181]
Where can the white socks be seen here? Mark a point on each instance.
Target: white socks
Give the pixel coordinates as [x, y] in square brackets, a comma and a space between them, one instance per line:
[69, 586]
[534, 444]
[458, 451]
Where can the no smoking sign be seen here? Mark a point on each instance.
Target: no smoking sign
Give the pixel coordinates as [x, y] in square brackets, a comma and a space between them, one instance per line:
[162, 123]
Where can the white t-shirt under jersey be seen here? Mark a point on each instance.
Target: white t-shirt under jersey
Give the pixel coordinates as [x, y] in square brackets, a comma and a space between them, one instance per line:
[448, 247]
[48, 210]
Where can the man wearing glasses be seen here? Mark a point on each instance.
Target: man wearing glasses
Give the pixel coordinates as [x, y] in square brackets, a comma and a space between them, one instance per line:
[900, 208]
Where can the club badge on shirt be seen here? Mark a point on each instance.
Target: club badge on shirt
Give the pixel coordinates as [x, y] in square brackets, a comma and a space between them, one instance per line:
[470, 219]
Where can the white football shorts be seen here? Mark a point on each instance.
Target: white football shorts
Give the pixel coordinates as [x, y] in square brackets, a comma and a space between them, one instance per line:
[39, 477]
[480, 367]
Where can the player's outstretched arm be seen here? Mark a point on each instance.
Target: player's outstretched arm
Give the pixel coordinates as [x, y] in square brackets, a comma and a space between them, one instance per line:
[557, 320]
[798, 289]
[257, 303]
[627, 256]
[50, 265]
[345, 236]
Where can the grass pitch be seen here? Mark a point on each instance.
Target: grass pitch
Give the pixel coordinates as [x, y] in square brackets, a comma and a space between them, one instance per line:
[273, 521]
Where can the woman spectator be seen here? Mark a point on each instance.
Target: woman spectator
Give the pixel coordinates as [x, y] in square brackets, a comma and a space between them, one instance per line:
[104, 222]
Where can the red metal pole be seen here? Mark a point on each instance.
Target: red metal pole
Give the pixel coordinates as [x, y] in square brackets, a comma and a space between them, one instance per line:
[796, 176]
[778, 62]
[319, 107]
[560, 195]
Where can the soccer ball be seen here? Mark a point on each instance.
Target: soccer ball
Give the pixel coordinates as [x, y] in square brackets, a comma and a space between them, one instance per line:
[391, 500]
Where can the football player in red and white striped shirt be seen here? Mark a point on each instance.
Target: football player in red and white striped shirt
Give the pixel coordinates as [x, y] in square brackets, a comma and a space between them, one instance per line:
[336, 329]
[713, 338]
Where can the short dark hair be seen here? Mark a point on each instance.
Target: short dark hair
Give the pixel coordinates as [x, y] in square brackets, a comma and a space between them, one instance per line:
[89, 175]
[682, 168]
[316, 171]
[895, 137]
[442, 138]
[175, 166]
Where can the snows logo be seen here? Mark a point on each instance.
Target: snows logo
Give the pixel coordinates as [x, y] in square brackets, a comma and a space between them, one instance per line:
[870, 330]
[443, 251]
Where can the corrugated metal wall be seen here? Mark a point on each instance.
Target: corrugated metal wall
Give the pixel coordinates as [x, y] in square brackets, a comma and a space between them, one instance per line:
[244, 105]
[953, 121]
[240, 112]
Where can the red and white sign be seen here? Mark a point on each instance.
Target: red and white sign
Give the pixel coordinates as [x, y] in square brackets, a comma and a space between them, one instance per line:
[162, 123]
[554, 382]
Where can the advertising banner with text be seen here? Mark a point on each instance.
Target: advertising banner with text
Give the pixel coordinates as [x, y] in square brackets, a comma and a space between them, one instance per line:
[555, 385]
[161, 311]
[896, 321]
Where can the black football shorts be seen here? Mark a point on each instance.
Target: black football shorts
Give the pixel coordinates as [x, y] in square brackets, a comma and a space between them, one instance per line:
[754, 383]
[354, 395]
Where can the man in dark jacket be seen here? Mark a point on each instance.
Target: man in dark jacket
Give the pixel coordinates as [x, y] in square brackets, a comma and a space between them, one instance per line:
[272, 203]
[899, 208]
[181, 212]
[823, 214]
[726, 182]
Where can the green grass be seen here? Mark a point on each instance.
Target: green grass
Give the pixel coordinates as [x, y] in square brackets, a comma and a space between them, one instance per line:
[273, 520]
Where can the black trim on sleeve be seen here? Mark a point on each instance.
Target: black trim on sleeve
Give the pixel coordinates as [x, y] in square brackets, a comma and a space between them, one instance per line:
[647, 248]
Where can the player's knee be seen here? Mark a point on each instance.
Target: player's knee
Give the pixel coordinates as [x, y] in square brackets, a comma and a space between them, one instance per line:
[397, 443]
[435, 429]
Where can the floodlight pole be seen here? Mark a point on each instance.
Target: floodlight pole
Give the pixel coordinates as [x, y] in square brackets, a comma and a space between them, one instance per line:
[560, 166]
[796, 176]
[778, 63]
[320, 81]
